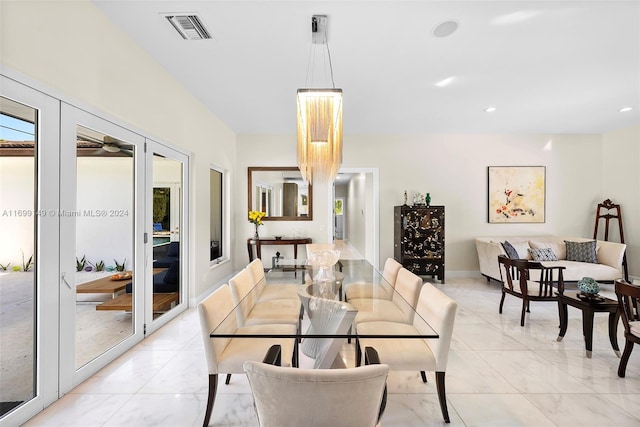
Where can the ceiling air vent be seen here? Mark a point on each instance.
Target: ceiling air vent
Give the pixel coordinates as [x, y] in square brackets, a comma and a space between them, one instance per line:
[190, 27]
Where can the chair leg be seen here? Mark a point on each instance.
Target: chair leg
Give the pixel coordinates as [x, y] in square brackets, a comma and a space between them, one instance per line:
[502, 301]
[525, 303]
[226, 381]
[424, 376]
[358, 353]
[442, 397]
[622, 368]
[213, 387]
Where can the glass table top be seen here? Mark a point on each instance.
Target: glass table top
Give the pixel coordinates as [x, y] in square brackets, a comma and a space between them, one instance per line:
[322, 303]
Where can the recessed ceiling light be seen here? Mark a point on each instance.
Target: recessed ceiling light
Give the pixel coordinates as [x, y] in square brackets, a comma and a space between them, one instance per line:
[625, 109]
[445, 29]
[490, 109]
[446, 82]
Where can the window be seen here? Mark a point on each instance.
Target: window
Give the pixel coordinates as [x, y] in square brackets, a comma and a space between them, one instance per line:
[216, 229]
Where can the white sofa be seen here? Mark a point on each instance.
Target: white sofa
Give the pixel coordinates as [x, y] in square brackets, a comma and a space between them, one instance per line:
[609, 254]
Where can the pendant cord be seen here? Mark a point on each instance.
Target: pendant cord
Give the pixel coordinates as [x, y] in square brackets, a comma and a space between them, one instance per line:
[330, 65]
[311, 60]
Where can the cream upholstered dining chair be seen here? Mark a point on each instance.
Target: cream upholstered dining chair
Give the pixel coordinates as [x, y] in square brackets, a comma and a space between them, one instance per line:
[530, 281]
[351, 397]
[255, 312]
[408, 354]
[370, 290]
[227, 355]
[400, 308]
[629, 308]
[273, 291]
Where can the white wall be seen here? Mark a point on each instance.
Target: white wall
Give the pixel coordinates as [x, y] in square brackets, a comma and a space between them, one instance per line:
[356, 216]
[16, 203]
[621, 184]
[72, 49]
[453, 168]
[105, 184]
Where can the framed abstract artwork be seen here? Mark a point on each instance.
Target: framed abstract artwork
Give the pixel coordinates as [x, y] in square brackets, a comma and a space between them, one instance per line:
[516, 194]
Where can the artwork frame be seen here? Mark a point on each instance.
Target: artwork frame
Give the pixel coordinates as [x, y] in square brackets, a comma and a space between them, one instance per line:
[516, 194]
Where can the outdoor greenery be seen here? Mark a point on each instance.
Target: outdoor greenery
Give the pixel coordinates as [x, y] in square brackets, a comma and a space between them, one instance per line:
[120, 267]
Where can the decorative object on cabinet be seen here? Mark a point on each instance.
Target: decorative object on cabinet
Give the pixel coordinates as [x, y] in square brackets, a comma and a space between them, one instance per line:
[427, 199]
[516, 194]
[418, 199]
[419, 239]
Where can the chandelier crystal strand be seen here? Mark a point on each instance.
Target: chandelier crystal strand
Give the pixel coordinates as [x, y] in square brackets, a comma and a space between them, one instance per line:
[319, 133]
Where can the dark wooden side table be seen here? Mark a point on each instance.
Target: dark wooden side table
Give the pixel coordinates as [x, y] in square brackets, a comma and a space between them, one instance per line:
[589, 307]
[295, 241]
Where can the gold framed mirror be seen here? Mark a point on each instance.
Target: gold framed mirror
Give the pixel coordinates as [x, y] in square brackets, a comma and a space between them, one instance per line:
[281, 192]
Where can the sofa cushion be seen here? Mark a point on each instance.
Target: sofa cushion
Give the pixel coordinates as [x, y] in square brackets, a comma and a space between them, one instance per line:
[172, 273]
[558, 248]
[542, 254]
[522, 247]
[174, 249]
[510, 250]
[582, 251]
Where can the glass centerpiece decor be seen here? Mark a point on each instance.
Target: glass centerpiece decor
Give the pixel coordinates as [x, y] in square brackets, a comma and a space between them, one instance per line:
[324, 260]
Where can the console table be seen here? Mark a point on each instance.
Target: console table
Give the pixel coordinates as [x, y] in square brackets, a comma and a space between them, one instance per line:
[263, 241]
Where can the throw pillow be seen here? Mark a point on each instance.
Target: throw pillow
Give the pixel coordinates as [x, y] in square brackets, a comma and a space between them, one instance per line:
[543, 254]
[582, 251]
[559, 248]
[510, 250]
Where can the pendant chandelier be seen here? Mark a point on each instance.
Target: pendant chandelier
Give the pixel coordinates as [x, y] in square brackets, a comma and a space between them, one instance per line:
[319, 121]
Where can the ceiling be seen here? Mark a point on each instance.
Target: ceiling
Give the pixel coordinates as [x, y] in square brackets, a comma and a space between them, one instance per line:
[546, 66]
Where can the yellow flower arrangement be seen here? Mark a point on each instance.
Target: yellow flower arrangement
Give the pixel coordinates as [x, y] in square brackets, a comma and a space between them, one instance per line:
[255, 217]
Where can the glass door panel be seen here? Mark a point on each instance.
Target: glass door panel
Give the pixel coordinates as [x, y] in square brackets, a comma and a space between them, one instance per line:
[167, 242]
[18, 221]
[105, 189]
[102, 249]
[29, 251]
[166, 293]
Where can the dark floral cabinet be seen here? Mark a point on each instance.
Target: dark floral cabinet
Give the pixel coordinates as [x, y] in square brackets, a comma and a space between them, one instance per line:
[419, 239]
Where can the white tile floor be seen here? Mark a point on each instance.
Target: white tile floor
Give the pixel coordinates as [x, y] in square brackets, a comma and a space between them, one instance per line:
[499, 374]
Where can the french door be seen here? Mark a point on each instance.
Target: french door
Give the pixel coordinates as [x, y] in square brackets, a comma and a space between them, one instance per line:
[78, 280]
[102, 239]
[167, 210]
[29, 275]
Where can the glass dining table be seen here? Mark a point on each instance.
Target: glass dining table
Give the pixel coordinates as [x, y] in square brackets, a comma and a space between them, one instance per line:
[326, 320]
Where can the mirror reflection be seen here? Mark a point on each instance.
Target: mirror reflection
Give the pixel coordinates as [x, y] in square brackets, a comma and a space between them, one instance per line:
[280, 192]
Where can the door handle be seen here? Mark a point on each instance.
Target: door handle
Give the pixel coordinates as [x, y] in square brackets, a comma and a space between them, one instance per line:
[64, 279]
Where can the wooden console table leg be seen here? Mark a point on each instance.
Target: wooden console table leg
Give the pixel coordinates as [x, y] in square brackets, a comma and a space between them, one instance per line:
[250, 250]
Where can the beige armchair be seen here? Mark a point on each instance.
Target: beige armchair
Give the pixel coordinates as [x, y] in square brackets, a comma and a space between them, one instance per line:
[400, 308]
[353, 397]
[434, 310]
[370, 290]
[254, 312]
[272, 291]
[227, 355]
